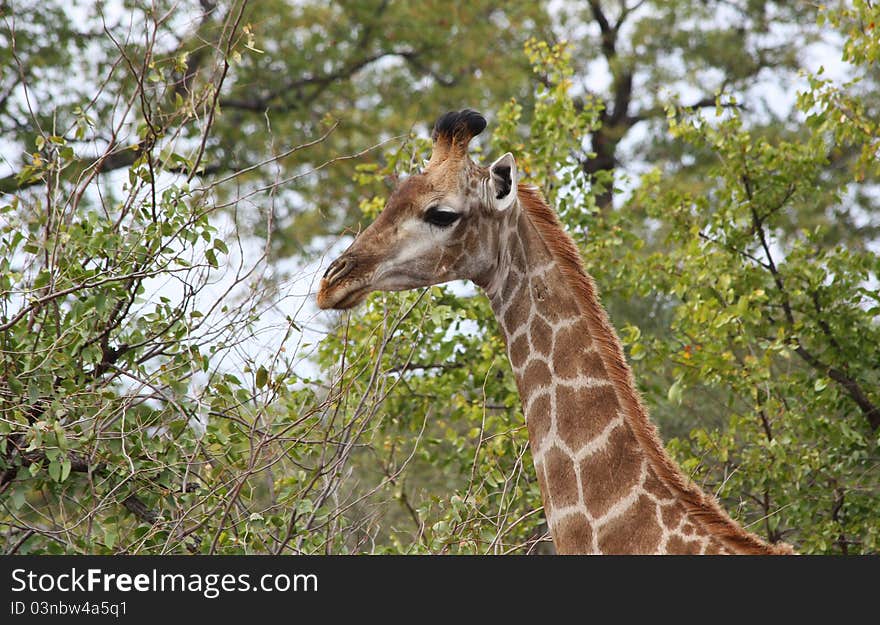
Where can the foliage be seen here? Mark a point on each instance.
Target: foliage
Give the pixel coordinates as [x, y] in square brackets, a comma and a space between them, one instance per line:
[131, 419]
[300, 68]
[782, 325]
[766, 322]
[143, 408]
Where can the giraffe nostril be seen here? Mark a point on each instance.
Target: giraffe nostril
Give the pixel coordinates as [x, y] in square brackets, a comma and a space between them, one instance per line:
[337, 269]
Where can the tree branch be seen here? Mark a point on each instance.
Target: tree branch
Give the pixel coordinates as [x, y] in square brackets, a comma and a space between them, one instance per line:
[79, 463]
[609, 32]
[704, 102]
[260, 103]
[25, 535]
[140, 510]
[851, 386]
[625, 12]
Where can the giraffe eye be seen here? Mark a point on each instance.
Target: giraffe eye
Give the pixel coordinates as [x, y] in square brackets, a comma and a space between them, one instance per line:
[436, 216]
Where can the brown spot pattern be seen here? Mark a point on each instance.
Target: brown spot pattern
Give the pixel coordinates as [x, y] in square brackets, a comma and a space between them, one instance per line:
[653, 486]
[539, 420]
[518, 313]
[612, 472]
[677, 545]
[573, 356]
[573, 535]
[541, 335]
[519, 351]
[561, 478]
[538, 375]
[542, 484]
[582, 413]
[672, 514]
[635, 531]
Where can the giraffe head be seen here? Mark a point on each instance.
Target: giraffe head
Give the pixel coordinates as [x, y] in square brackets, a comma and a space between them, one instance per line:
[440, 224]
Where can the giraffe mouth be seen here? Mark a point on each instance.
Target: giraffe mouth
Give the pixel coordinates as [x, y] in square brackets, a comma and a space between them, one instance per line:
[331, 296]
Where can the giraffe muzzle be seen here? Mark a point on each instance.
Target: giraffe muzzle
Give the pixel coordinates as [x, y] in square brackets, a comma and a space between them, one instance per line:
[341, 289]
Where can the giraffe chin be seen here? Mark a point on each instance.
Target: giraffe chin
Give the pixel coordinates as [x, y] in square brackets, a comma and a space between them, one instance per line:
[343, 299]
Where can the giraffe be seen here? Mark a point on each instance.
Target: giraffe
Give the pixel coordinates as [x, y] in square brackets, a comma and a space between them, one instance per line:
[607, 483]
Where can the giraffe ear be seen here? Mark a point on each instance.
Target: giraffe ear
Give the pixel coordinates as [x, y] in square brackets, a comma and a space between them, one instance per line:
[503, 181]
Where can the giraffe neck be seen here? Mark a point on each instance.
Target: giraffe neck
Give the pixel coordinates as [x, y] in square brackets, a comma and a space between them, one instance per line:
[607, 484]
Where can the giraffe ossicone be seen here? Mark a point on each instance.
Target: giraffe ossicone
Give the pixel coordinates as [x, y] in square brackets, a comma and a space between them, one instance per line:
[607, 483]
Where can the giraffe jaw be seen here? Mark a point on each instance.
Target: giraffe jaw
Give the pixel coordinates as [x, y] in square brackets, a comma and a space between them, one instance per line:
[342, 292]
[330, 296]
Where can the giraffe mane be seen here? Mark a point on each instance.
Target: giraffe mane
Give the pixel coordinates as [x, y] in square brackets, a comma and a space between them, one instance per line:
[703, 507]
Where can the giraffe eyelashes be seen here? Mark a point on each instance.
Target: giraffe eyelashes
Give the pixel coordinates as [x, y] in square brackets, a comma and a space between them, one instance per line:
[436, 216]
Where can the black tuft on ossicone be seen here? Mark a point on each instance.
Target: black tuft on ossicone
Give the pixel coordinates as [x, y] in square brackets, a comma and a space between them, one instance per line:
[465, 124]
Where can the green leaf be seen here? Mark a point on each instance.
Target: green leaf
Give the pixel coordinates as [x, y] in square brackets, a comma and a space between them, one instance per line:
[674, 394]
[65, 469]
[110, 536]
[18, 498]
[637, 351]
[42, 279]
[60, 436]
[262, 377]
[55, 470]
